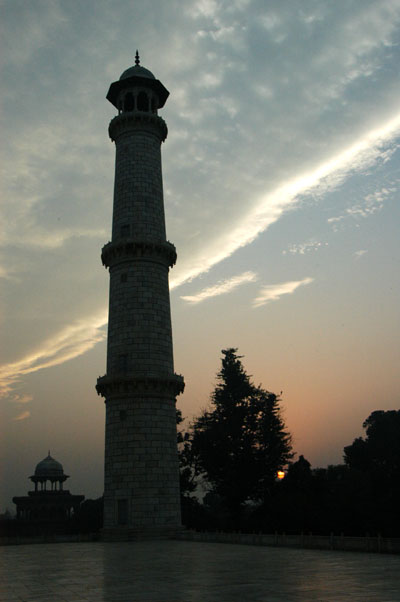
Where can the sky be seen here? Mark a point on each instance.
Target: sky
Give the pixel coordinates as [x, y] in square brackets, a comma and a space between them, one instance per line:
[281, 179]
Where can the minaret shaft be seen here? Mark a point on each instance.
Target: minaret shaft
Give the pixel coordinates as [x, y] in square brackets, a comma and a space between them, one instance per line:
[139, 328]
[138, 189]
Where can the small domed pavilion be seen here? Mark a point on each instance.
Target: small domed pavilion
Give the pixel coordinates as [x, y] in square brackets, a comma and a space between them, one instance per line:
[49, 503]
[50, 470]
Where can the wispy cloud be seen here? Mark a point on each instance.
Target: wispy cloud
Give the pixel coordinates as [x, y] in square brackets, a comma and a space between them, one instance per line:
[360, 253]
[70, 342]
[363, 153]
[22, 416]
[305, 247]
[338, 218]
[372, 203]
[7, 273]
[24, 398]
[221, 288]
[272, 292]
[42, 238]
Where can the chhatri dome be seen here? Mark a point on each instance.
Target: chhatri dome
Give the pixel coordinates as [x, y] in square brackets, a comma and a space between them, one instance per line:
[49, 467]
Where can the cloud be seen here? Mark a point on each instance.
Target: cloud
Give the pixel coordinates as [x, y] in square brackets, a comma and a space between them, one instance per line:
[42, 238]
[221, 288]
[70, 342]
[332, 220]
[204, 8]
[24, 398]
[7, 273]
[273, 292]
[360, 253]
[269, 208]
[48, 206]
[371, 204]
[26, 34]
[22, 416]
[305, 247]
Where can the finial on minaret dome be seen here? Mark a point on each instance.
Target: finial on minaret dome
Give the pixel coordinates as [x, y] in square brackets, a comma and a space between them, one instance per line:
[137, 59]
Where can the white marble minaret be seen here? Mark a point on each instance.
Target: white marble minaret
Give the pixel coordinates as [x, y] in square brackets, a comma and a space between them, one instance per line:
[141, 490]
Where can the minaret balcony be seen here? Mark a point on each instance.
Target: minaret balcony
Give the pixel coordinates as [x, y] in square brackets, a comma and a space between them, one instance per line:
[120, 385]
[139, 121]
[127, 249]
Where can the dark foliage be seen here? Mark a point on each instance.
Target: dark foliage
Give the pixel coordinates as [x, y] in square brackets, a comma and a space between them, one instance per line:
[240, 443]
[194, 514]
[374, 461]
[359, 497]
[380, 450]
[187, 467]
[89, 518]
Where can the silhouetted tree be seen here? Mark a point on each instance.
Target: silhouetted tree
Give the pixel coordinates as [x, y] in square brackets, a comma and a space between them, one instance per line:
[293, 506]
[187, 467]
[241, 442]
[89, 518]
[375, 462]
[380, 450]
[194, 514]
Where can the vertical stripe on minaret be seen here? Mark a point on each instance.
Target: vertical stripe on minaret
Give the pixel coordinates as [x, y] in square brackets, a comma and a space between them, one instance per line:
[141, 482]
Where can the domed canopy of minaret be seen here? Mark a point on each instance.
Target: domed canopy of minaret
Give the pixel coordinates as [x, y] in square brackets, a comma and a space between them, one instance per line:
[137, 71]
[49, 467]
[137, 77]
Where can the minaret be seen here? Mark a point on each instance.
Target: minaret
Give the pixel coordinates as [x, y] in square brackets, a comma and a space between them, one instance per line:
[141, 490]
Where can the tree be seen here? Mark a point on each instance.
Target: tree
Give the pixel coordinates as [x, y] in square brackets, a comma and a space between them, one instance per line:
[187, 468]
[292, 507]
[89, 518]
[240, 442]
[375, 461]
[193, 513]
[380, 450]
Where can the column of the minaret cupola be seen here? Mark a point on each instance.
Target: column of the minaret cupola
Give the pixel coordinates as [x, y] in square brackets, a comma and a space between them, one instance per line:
[141, 496]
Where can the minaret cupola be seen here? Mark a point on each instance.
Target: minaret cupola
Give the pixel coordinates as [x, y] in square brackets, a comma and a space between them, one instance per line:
[137, 90]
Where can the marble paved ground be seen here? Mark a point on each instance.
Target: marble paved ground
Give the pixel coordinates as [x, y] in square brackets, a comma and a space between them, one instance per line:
[183, 571]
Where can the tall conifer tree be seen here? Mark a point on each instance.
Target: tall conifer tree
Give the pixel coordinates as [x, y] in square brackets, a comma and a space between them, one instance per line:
[240, 442]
